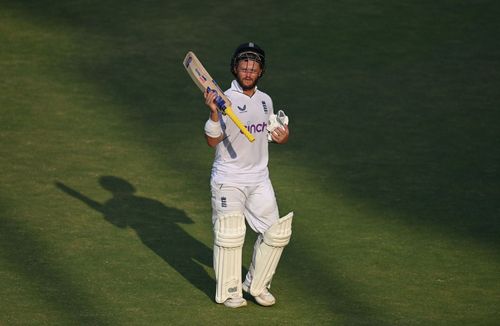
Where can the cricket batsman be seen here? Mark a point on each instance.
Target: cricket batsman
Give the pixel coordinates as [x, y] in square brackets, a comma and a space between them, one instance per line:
[240, 184]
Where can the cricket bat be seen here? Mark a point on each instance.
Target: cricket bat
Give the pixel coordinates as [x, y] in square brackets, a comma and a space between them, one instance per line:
[205, 82]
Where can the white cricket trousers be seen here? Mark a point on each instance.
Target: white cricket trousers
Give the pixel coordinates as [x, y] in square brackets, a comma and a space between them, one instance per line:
[257, 203]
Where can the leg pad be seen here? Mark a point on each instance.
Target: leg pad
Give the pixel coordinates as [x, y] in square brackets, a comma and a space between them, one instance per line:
[229, 236]
[267, 253]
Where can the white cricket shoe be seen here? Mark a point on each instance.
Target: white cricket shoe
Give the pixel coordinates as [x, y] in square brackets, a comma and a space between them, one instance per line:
[235, 302]
[265, 299]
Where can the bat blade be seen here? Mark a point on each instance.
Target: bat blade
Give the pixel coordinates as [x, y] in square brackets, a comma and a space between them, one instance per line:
[205, 82]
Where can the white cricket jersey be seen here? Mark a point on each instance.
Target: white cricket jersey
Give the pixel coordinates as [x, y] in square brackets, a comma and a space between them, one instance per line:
[237, 160]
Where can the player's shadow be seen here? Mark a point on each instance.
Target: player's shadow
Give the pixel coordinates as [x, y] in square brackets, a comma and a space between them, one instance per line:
[157, 227]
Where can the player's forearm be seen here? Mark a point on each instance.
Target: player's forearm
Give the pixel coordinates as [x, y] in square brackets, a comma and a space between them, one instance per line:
[212, 142]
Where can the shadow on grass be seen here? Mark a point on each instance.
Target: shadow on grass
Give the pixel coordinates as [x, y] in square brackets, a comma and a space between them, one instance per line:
[28, 255]
[157, 227]
[389, 151]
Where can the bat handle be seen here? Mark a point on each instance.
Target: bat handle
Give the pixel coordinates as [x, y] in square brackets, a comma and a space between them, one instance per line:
[229, 112]
[218, 99]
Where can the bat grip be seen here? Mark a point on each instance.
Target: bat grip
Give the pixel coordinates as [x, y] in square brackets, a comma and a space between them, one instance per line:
[229, 112]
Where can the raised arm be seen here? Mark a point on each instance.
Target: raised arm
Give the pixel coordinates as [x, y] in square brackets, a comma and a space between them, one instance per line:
[213, 129]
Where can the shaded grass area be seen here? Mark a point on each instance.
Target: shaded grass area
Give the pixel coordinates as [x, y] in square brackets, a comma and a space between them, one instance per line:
[29, 273]
[392, 168]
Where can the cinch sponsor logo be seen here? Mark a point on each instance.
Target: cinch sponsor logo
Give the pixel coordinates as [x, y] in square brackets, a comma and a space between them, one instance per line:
[255, 128]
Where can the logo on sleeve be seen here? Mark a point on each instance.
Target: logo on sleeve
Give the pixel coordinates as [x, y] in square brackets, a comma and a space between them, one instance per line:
[264, 106]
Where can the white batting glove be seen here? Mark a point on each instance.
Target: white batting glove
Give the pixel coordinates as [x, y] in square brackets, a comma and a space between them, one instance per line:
[276, 121]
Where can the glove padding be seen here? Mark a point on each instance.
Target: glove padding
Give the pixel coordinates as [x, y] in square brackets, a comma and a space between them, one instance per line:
[276, 121]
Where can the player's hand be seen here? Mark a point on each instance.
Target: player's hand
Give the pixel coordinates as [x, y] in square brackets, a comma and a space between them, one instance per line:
[280, 134]
[210, 101]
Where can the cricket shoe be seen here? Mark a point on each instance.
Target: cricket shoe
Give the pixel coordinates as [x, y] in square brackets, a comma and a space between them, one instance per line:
[265, 299]
[235, 302]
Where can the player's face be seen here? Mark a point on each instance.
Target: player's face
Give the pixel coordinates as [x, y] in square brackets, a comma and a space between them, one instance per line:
[248, 73]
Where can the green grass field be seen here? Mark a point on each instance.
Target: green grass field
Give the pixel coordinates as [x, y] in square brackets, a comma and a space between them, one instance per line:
[392, 168]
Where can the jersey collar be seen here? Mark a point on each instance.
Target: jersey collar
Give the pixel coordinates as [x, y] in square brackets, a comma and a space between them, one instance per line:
[235, 86]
